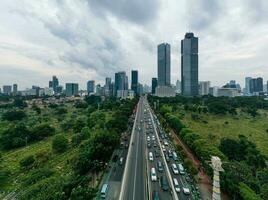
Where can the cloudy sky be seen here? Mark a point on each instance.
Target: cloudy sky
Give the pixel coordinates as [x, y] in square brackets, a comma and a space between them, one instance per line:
[79, 40]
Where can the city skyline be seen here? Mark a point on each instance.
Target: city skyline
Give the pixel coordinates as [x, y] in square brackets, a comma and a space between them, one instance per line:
[62, 49]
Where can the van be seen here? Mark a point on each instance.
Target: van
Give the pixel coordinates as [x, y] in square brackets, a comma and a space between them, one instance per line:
[176, 185]
[164, 183]
[186, 190]
[153, 174]
[174, 169]
[104, 191]
[151, 157]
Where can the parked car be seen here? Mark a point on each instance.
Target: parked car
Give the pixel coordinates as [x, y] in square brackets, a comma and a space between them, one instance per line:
[164, 183]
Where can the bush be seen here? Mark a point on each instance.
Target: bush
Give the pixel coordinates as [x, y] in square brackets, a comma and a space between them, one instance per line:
[27, 162]
[247, 193]
[42, 131]
[37, 175]
[59, 144]
[81, 193]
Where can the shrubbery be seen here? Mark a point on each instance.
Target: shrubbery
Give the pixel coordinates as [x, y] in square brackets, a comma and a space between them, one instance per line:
[59, 144]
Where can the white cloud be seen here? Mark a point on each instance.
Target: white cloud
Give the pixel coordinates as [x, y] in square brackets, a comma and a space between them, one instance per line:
[79, 40]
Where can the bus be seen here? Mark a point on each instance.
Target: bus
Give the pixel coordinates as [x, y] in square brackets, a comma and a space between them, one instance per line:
[104, 191]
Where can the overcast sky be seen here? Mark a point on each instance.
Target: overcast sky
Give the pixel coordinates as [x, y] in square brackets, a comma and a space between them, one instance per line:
[79, 40]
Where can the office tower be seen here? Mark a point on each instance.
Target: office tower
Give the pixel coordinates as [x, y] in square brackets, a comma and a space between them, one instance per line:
[55, 83]
[90, 86]
[140, 89]
[134, 81]
[121, 82]
[36, 89]
[59, 89]
[163, 62]
[7, 89]
[189, 65]
[15, 89]
[71, 89]
[256, 85]
[267, 86]
[154, 85]
[108, 86]
[204, 87]
[247, 85]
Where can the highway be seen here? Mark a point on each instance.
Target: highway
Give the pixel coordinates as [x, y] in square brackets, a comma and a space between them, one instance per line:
[150, 147]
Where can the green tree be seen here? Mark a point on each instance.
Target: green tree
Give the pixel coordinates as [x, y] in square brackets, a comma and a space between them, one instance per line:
[14, 115]
[27, 162]
[59, 144]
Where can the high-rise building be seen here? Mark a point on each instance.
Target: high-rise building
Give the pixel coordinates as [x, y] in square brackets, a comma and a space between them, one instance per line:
[189, 65]
[108, 87]
[178, 86]
[154, 85]
[163, 62]
[90, 86]
[204, 87]
[121, 83]
[247, 85]
[71, 89]
[134, 81]
[55, 83]
[7, 89]
[256, 85]
[50, 84]
[15, 89]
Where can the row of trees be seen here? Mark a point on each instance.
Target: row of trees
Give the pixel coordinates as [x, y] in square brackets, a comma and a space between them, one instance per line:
[244, 165]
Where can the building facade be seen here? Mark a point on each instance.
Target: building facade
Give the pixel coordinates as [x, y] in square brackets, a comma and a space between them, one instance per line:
[189, 65]
[154, 85]
[121, 82]
[204, 87]
[134, 81]
[7, 89]
[163, 63]
[71, 89]
[90, 86]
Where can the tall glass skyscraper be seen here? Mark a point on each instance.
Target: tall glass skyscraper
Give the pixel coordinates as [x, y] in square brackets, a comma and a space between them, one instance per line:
[189, 65]
[90, 86]
[163, 62]
[154, 85]
[134, 81]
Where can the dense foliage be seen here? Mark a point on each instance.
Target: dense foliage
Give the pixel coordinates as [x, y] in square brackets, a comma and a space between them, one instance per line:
[244, 165]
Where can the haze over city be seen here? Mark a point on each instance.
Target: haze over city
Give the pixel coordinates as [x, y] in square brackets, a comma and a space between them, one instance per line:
[83, 40]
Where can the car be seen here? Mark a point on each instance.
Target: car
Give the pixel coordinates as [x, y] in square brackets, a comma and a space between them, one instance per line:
[167, 157]
[170, 154]
[148, 144]
[151, 157]
[181, 169]
[121, 161]
[164, 148]
[153, 137]
[175, 156]
[165, 142]
[153, 174]
[156, 153]
[164, 183]
[148, 138]
[155, 144]
[176, 185]
[186, 190]
[160, 166]
[174, 169]
[155, 195]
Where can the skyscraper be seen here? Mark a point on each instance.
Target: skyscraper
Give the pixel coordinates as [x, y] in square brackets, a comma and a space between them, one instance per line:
[55, 83]
[247, 85]
[71, 89]
[15, 89]
[134, 81]
[163, 62]
[256, 85]
[108, 86]
[90, 86]
[189, 65]
[204, 87]
[121, 81]
[154, 85]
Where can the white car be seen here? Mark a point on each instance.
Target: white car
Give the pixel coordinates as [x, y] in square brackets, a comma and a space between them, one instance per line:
[165, 142]
[176, 185]
[153, 137]
[164, 148]
[186, 190]
[153, 174]
[175, 169]
[148, 138]
[151, 156]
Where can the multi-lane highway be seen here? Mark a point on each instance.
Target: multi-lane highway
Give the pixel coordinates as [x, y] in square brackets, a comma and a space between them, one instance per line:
[151, 168]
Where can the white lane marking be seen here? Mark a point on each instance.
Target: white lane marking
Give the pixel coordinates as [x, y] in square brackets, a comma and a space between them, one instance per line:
[168, 172]
[126, 169]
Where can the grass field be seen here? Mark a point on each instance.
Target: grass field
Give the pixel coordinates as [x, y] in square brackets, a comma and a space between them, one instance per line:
[215, 127]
